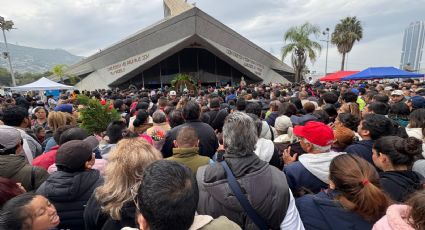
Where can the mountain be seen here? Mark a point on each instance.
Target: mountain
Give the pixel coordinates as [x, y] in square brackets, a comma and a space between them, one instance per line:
[34, 60]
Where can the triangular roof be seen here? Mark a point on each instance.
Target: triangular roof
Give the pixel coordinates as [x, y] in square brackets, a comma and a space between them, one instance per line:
[170, 35]
[41, 84]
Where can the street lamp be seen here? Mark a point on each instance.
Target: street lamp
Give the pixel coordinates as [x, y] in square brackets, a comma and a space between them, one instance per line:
[7, 25]
[326, 32]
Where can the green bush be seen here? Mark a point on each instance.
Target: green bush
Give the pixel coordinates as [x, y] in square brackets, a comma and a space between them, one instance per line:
[95, 117]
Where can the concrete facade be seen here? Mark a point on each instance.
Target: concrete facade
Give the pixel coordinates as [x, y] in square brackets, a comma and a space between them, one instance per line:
[126, 59]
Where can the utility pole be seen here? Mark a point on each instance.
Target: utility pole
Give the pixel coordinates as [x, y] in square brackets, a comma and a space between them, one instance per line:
[326, 32]
[7, 25]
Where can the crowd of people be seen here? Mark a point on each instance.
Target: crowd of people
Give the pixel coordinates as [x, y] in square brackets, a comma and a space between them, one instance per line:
[277, 156]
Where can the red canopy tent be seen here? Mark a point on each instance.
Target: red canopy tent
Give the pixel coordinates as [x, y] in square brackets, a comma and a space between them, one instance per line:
[337, 75]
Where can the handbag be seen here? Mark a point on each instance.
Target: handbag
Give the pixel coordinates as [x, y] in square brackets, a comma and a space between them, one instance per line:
[243, 200]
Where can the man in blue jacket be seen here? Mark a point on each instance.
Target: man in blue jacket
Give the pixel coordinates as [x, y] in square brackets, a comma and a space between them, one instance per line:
[371, 128]
[311, 172]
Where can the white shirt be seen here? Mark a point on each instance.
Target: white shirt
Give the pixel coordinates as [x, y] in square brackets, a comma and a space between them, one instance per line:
[292, 218]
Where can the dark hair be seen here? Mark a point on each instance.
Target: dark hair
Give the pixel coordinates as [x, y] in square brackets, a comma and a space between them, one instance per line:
[142, 105]
[321, 116]
[378, 108]
[330, 98]
[377, 125]
[381, 98]
[215, 102]
[14, 115]
[141, 118]
[257, 122]
[358, 182]
[240, 104]
[400, 151]
[176, 118]
[254, 108]
[400, 110]
[349, 120]
[331, 111]
[15, 215]
[416, 216]
[348, 97]
[58, 132]
[288, 109]
[297, 102]
[118, 103]
[72, 134]
[168, 196]
[115, 131]
[187, 137]
[8, 190]
[417, 120]
[191, 111]
[370, 94]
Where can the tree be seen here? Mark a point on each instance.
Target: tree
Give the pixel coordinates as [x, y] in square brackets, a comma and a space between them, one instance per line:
[348, 31]
[94, 116]
[59, 71]
[301, 47]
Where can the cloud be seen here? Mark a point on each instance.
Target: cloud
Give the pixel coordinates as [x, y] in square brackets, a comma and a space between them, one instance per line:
[85, 26]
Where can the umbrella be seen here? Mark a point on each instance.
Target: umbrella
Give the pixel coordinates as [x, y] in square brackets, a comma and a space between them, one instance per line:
[337, 75]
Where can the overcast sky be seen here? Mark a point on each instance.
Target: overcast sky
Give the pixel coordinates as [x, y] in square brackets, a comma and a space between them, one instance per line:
[82, 27]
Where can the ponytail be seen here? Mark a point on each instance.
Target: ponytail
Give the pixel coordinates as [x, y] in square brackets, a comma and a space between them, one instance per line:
[358, 182]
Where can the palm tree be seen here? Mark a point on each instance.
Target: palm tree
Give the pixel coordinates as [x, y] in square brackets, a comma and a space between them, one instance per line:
[301, 47]
[7, 25]
[348, 31]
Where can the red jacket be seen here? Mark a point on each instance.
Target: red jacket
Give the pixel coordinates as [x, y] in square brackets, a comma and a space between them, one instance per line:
[46, 159]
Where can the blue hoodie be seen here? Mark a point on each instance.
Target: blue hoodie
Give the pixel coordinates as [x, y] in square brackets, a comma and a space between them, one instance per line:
[323, 212]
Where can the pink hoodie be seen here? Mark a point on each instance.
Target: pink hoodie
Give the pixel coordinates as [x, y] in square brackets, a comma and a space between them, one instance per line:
[395, 219]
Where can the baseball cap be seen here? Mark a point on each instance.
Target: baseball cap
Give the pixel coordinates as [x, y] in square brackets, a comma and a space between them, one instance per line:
[173, 93]
[388, 88]
[66, 108]
[74, 154]
[418, 102]
[316, 133]
[397, 92]
[9, 137]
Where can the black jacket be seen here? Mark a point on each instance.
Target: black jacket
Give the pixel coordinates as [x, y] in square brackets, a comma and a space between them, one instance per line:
[208, 142]
[400, 184]
[95, 219]
[69, 192]
[322, 212]
[362, 149]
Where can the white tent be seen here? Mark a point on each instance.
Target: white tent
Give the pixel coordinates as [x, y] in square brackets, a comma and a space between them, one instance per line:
[41, 84]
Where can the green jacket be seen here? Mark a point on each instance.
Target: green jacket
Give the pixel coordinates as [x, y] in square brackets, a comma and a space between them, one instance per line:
[15, 167]
[189, 157]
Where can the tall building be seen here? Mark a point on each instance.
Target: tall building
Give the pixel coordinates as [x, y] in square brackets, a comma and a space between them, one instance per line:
[413, 47]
